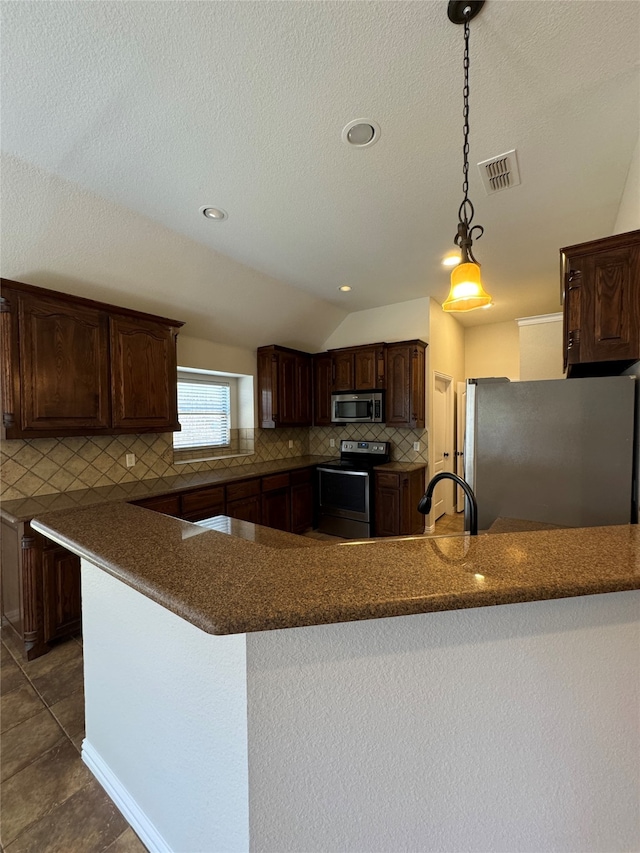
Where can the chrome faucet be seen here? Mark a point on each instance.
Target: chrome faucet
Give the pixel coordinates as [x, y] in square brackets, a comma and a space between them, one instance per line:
[425, 501]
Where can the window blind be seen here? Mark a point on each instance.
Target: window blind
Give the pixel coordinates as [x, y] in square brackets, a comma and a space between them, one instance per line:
[203, 411]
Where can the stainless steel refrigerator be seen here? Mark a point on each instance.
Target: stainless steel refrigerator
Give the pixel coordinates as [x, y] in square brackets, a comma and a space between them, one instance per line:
[559, 452]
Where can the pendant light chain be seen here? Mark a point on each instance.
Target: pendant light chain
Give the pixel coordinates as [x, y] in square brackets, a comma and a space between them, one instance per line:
[465, 113]
[466, 211]
[467, 292]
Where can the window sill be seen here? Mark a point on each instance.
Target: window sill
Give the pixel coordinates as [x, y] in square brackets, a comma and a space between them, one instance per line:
[196, 459]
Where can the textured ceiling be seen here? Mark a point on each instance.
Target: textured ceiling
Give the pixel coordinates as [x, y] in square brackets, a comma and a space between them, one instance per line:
[163, 107]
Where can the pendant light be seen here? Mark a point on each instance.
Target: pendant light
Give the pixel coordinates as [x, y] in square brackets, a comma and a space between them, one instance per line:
[466, 291]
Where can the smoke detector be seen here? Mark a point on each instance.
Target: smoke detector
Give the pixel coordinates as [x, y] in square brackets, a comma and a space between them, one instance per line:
[500, 173]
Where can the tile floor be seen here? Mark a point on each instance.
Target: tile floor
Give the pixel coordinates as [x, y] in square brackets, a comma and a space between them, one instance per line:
[51, 803]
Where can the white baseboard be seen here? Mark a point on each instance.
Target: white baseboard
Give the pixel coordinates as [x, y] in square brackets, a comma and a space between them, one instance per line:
[140, 823]
[430, 528]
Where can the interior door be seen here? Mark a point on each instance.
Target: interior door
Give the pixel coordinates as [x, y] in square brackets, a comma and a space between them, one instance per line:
[461, 420]
[443, 500]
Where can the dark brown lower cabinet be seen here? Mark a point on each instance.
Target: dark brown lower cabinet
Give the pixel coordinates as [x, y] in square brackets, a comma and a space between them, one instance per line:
[397, 494]
[40, 588]
[243, 501]
[203, 503]
[41, 580]
[302, 500]
[61, 592]
[166, 504]
[276, 501]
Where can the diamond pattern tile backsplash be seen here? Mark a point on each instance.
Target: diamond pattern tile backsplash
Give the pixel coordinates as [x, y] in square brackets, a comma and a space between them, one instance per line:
[43, 466]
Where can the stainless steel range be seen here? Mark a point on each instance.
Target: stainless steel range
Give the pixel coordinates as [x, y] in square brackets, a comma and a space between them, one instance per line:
[346, 489]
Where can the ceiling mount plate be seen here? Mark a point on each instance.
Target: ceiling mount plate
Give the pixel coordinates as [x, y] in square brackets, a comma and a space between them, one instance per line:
[456, 10]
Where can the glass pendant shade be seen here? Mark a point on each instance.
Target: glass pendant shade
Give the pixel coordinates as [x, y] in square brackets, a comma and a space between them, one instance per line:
[466, 291]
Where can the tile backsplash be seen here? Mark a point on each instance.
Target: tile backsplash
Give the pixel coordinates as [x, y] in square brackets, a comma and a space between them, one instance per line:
[43, 466]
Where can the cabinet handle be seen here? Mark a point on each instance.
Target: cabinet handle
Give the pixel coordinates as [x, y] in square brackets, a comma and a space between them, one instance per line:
[446, 455]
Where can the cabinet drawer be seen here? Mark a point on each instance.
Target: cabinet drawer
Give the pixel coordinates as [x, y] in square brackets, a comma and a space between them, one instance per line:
[387, 480]
[244, 489]
[275, 481]
[167, 504]
[209, 498]
[304, 475]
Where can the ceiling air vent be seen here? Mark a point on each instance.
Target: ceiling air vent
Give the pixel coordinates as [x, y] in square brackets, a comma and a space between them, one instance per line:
[500, 173]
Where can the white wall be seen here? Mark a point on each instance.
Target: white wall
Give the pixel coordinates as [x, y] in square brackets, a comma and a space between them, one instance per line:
[492, 350]
[507, 729]
[499, 729]
[541, 347]
[628, 218]
[57, 235]
[166, 719]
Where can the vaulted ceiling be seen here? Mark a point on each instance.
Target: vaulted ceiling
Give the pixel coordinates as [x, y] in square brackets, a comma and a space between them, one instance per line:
[164, 107]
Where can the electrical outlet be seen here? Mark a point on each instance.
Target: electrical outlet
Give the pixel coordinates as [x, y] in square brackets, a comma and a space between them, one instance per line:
[130, 460]
[332, 442]
[416, 445]
[290, 443]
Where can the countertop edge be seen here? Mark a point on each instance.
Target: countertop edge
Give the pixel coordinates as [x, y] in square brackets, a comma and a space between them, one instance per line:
[228, 585]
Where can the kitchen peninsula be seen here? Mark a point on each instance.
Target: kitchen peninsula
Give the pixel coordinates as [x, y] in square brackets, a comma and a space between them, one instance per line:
[361, 696]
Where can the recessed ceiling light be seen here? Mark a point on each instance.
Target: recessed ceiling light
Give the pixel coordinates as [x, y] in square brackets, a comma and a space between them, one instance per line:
[216, 213]
[344, 288]
[451, 260]
[361, 133]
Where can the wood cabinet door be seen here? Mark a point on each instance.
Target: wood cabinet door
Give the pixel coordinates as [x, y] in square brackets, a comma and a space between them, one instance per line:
[246, 509]
[322, 382]
[64, 366]
[405, 401]
[302, 500]
[412, 486]
[287, 389]
[304, 390]
[398, 398]
[144, 378]
[61, 593]
[387, 505]
[611, 305]
[276, 509]
[343, 376]
[417, 402]
[166, 504]
[369, 372]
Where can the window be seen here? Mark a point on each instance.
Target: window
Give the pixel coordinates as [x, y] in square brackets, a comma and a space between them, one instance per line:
[204, 412]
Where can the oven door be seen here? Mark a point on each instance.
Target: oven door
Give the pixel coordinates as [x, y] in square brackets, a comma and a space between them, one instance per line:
[344, 494]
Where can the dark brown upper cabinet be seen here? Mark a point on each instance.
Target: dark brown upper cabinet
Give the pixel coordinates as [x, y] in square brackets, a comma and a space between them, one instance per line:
[284, 387]
[72, 366]
[64, 376]
[322, 385]
[359, 368]
[143, 372]
[405, 399]
[601, 288]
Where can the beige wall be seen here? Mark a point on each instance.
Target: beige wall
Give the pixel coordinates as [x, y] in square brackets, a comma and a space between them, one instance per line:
[492, 350]
[541, 347]
[402, 321]
[628, 218]
[444, 355]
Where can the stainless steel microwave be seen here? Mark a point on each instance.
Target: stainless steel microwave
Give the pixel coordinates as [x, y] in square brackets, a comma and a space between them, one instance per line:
[357, 407]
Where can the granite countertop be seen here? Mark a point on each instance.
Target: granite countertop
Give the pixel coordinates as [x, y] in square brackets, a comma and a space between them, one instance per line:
[226, 585]
[25, 509]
